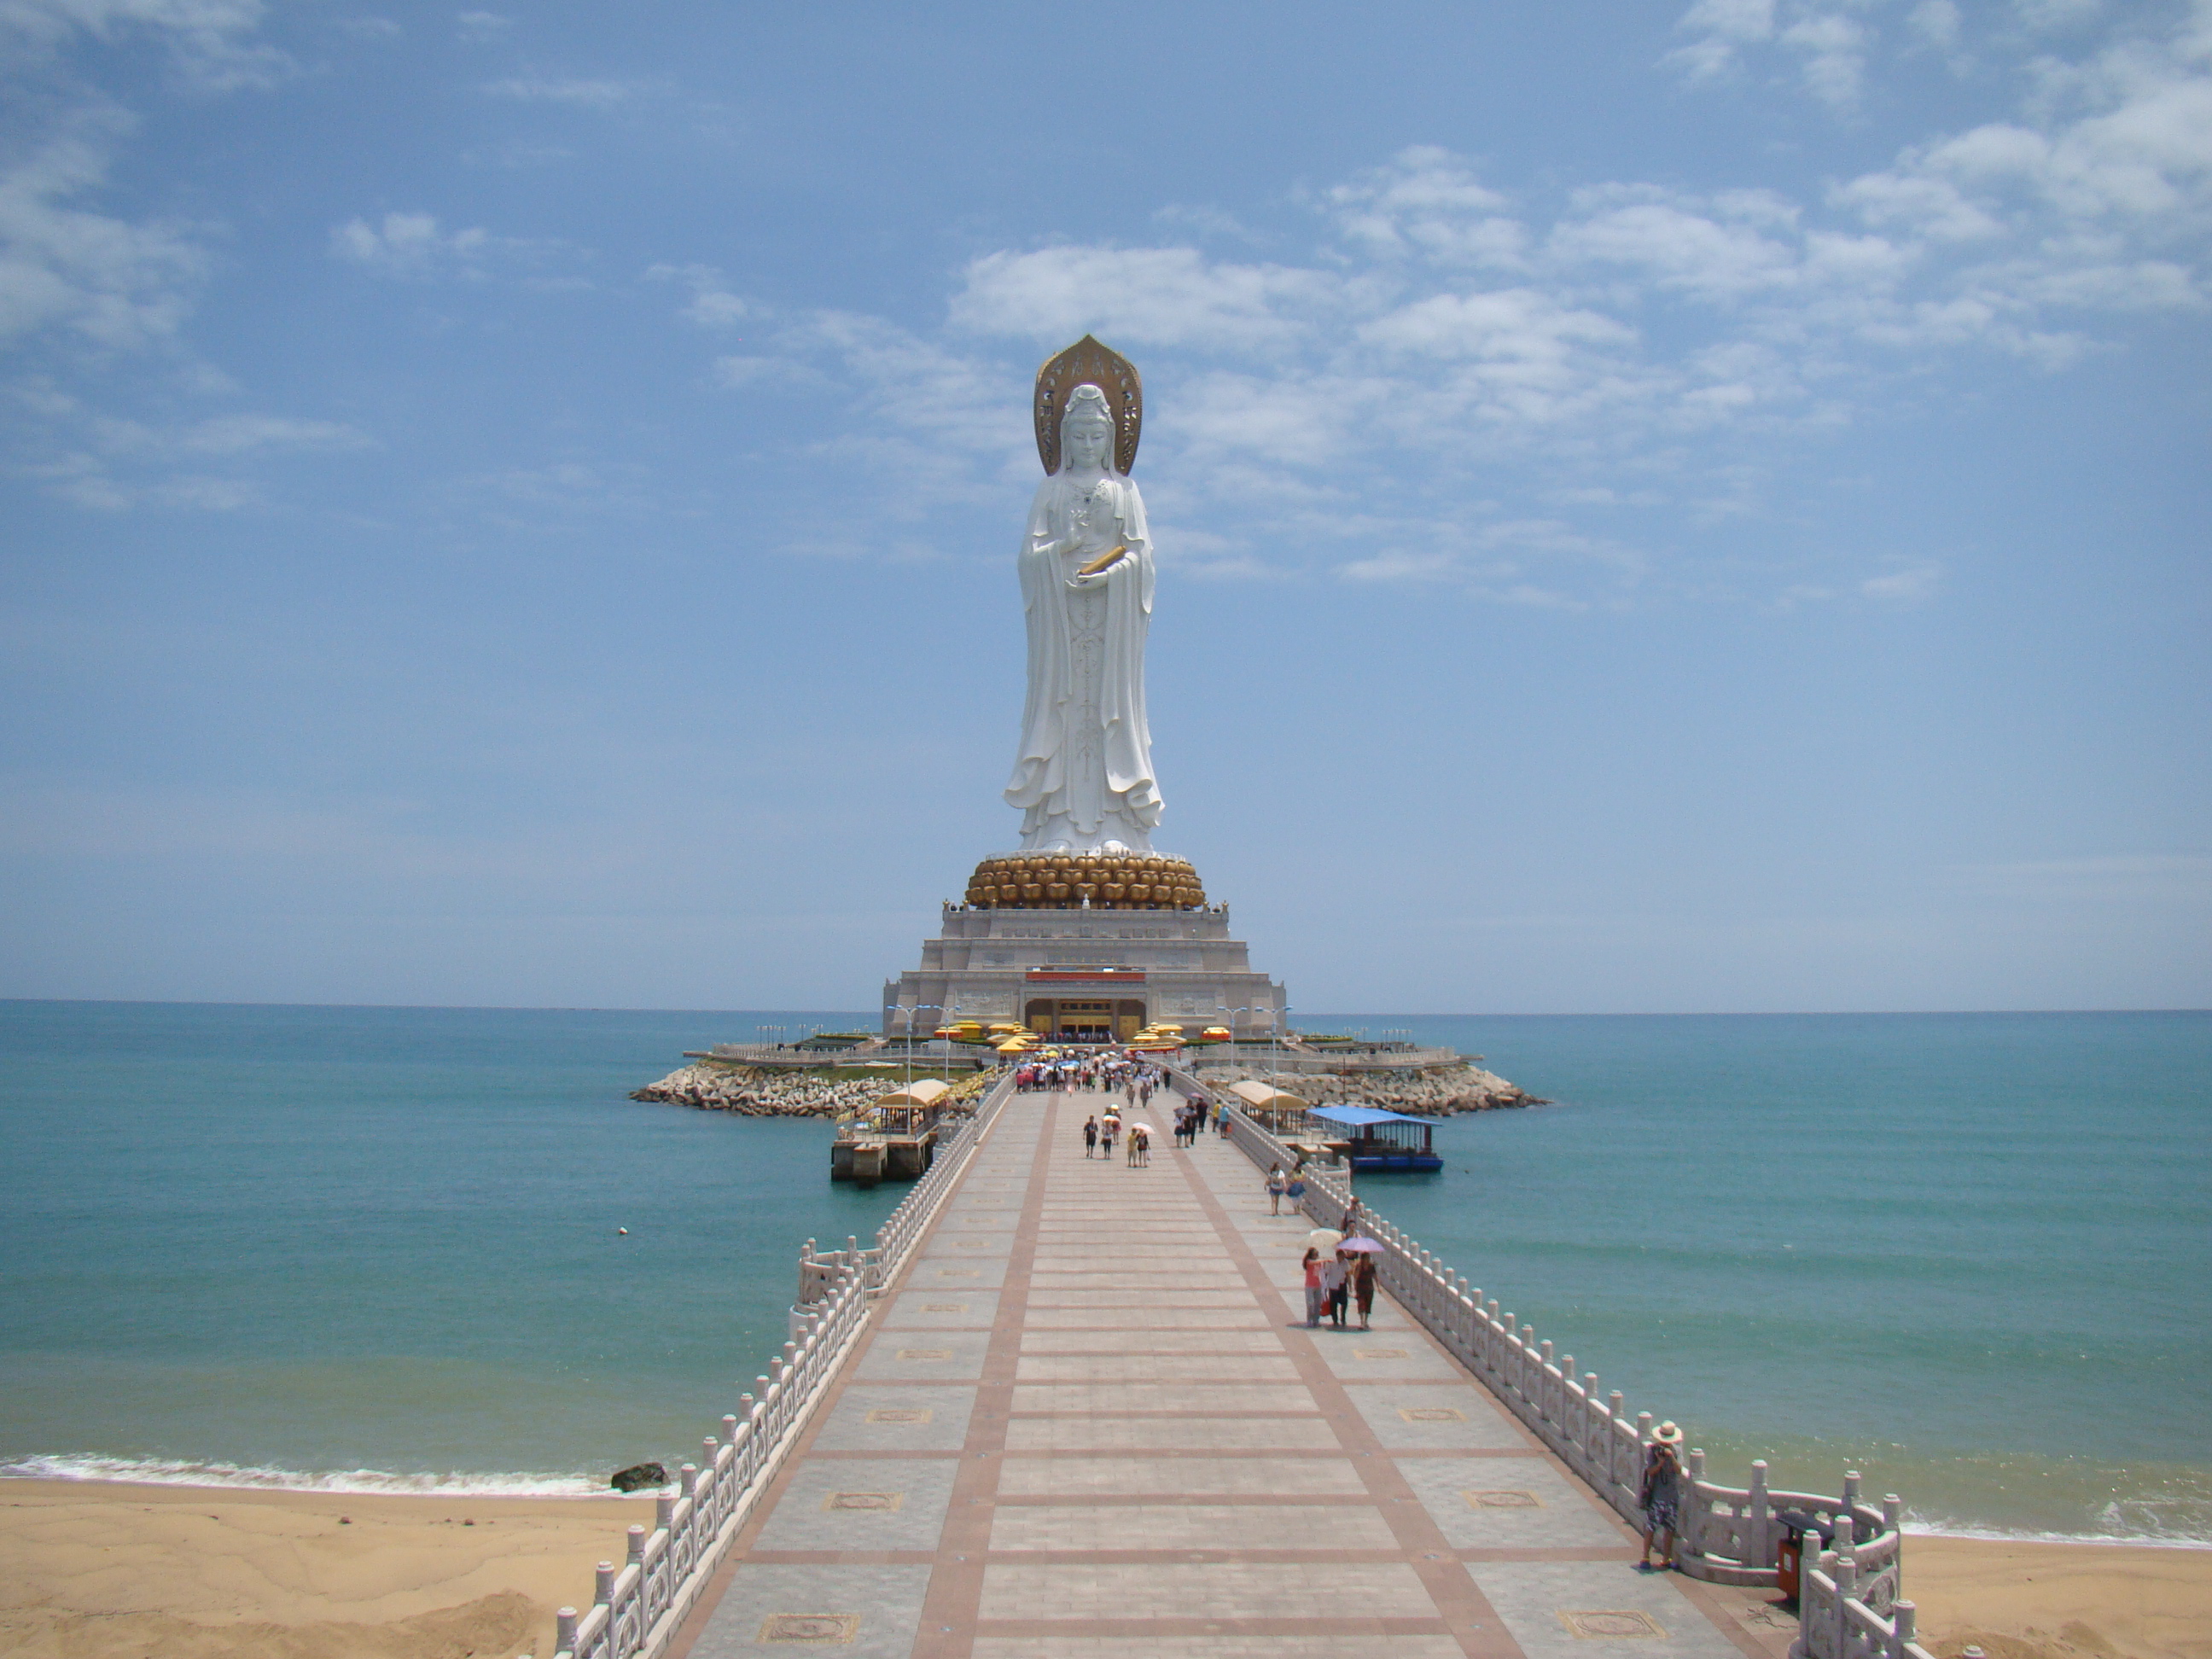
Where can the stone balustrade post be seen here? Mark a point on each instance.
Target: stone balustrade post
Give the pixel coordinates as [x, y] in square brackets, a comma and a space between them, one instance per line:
[687, 1477]
[1759, 1542]
[1851, 1489]
[636, 1544]
[564, 1629]
[1846, 1530]
[602, 1585]
[1644, 1428]
[1904, 1624]
[663, 1511]
[1892, 1512]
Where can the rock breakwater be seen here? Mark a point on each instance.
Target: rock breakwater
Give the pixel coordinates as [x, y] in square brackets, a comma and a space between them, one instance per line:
[760, 1091]
[1442, 1092]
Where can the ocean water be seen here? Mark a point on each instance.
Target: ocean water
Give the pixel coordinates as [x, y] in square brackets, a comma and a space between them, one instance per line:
[377, 1248]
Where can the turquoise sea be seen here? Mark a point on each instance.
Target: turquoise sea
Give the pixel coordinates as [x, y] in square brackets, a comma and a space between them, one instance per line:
[377, 1248]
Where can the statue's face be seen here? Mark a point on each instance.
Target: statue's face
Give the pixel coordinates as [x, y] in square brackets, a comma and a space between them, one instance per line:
[1090, 439]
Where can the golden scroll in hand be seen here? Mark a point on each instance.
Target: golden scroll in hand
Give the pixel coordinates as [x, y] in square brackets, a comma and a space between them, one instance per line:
[1103, 560]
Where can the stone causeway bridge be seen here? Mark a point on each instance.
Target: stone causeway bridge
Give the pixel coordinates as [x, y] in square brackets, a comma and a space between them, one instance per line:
[1066, 1408]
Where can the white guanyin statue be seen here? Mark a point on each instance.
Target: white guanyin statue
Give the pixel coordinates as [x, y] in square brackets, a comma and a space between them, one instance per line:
[1083, 778]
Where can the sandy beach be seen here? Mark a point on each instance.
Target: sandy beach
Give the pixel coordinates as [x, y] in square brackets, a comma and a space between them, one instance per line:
[94, 1570]
[114, 1571]
[2056, 1600]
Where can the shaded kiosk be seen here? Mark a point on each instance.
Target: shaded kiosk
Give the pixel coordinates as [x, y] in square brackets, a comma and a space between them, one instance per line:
[894, 1139]
[1271, 1107]
[1370, 1139]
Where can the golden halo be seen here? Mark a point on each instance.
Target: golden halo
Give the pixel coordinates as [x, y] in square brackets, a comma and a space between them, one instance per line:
[1088, 363]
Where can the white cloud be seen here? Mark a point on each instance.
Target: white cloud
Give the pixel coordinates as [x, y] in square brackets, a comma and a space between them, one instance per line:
[409, 244]
[1723, 28]
[713, 304]
[111, 281]
[206, 38]
[1439, 341]
[1903, 586]
[1936, 24]
[1149, 296]
[481, 25]
[1713, 252]
[1428, 202]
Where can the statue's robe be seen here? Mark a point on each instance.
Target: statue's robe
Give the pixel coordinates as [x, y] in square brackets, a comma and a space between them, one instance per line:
[1084, 768]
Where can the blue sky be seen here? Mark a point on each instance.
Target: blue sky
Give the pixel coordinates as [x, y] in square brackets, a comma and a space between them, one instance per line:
[1659, 509]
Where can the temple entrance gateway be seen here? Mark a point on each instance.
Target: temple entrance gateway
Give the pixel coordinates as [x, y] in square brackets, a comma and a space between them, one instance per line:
[1084, 1019]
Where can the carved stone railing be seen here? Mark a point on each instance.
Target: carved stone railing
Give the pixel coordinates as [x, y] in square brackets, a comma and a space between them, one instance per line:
[638, 1606]
[1849, 1605]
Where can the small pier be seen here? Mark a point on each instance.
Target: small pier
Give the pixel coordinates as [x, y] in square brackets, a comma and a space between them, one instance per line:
[1068, 1409]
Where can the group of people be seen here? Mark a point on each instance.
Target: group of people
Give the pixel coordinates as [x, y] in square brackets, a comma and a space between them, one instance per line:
[1338, 1277]
[1101, 1129]
[1133, 1079]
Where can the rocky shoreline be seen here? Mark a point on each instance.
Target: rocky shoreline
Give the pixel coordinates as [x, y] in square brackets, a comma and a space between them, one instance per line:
[765, 1092]
[1441, 1093]
[761, 1091]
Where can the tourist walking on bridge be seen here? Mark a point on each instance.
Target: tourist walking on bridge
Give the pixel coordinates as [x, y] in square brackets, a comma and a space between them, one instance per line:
[1275, 1185]
[1660, 1494]
[1089, 1135]
[1363, 1285]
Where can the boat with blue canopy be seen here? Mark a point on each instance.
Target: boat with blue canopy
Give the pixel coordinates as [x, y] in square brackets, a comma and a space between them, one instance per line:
[1370, 1138]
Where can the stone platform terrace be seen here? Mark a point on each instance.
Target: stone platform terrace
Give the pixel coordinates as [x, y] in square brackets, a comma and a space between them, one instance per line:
[1090, 1424]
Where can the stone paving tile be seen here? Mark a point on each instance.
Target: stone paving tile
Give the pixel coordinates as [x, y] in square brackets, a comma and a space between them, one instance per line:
[1371, 1357]
[1166, 1434]
[1436, 1417]
[882, 1606]
[862, 1503]
[928, 1357]
[1139, 1339]
[1189, 1527]
[1508, 1503]
[862, 1420]
[1250, 1589]
[936, 1309]
[1220, 1400]
[1135, 1316]
[1074, 1478]
[1220, 1647]
[1156, 1368]
[1530, 1597]
[988, 1275]
[1046, 1284]
[1138, 1296]
[949, 1247]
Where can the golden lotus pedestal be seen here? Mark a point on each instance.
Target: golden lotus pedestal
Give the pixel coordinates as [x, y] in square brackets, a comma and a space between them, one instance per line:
[1085, 881]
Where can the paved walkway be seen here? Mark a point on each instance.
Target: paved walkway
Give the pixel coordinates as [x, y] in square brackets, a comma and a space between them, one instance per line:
[1091, 1424]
